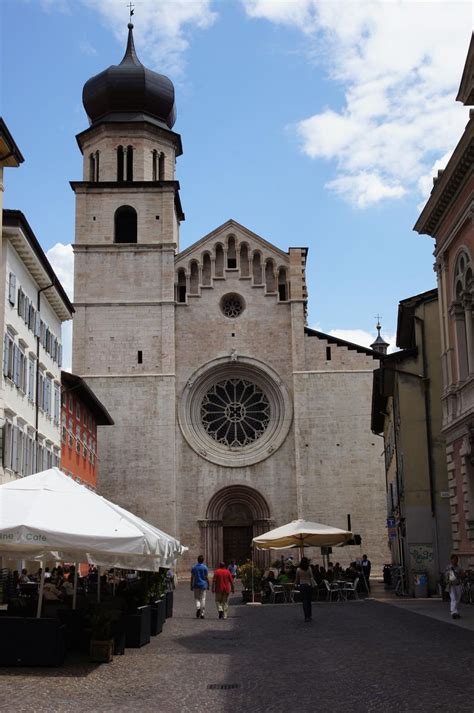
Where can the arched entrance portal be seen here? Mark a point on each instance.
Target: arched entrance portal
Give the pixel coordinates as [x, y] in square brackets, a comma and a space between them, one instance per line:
[234, 516]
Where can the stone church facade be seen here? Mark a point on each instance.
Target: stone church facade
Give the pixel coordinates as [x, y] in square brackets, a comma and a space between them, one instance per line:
[231, 416]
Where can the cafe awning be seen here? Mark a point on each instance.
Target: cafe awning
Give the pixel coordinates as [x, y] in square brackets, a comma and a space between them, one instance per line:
[49, 516]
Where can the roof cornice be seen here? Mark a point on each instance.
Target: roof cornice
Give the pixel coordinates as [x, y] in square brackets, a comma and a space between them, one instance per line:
[449, 183]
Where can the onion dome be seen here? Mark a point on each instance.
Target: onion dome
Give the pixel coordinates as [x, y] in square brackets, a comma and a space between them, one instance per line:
[130, 92]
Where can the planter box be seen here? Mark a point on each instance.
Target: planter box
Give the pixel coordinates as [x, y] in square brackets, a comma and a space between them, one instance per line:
[137, 627]
[169, 604]
[157, 617]
[26, 641]
[101, 651]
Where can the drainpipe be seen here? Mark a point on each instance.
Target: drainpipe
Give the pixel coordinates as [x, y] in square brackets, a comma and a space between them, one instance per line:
[38, 342]
[429, 439]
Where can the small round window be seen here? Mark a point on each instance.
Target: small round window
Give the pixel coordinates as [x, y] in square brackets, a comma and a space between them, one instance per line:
[232, 305]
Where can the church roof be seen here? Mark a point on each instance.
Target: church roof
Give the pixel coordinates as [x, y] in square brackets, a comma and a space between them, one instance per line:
[230, 225]
[343, 343]
[130, 92]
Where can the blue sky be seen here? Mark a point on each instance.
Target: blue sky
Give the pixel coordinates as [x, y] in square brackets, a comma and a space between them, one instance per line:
[312, 123]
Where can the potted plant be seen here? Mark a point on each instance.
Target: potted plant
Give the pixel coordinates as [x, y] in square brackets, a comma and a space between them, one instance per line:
[102, 642]
[248, 574]
[138, 615]
[156, 585]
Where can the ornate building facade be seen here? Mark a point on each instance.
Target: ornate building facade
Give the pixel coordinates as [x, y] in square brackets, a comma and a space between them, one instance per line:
[231, 416]
[448, 218]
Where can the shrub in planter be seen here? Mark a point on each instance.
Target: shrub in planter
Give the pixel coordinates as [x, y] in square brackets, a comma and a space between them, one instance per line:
[102, 642]
[249, 573]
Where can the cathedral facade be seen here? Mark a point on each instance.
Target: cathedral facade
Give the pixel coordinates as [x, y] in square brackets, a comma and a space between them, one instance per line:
[231, 415]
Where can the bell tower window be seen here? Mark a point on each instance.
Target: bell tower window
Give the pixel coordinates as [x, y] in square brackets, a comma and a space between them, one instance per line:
[92, 167]
[181, 286]
[231, 254]
[282, 285]
[120, 155]
[154, 165]
[162, 167]
[125, 224]
[129, 163]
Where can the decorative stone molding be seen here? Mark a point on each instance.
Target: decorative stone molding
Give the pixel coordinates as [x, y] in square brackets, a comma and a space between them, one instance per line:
[270, 436]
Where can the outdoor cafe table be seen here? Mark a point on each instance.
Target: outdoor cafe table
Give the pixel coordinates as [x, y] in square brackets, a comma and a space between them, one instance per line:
[289, 588]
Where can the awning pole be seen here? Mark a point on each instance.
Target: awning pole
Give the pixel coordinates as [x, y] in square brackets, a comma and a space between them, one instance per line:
[74, 594]
[253, 591]
[40, 593]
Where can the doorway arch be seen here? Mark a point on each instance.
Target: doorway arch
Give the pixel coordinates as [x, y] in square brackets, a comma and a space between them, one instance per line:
[234, 516]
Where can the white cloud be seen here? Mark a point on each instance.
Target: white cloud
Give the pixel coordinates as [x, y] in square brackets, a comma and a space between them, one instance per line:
[363, 189]
[399, 64]
[362, 337]
[61, 258]
[425, 183]
[162, 27]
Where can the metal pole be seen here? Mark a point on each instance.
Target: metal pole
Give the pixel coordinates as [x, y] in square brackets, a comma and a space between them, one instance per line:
[74, 594]
[40, 593]
[253, 592]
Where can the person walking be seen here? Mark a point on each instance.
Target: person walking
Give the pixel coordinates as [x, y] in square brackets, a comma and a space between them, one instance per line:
[222, 586]
[305, 580]
[365, 567]
[454, 575]
[199, 585]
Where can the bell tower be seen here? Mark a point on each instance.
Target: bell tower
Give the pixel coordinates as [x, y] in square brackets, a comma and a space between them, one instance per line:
[128, 213]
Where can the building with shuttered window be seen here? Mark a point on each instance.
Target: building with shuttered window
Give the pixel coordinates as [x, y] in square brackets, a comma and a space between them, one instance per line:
[35, 305]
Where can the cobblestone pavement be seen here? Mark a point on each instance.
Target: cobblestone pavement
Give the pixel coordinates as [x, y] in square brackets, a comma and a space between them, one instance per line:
[356, 657]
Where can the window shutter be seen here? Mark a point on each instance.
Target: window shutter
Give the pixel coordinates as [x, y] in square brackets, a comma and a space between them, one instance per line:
[37, 324]
[6, 348]
[16, 365]
[20, 301]
[11, 288]
[60, 355]
[14, 447]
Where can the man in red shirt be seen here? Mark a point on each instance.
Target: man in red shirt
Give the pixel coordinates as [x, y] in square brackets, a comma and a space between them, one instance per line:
[222, 586]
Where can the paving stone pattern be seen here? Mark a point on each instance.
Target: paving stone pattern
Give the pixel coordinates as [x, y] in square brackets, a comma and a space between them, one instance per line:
[357, 657]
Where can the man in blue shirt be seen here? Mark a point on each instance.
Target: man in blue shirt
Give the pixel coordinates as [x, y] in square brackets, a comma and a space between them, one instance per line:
[200, 584]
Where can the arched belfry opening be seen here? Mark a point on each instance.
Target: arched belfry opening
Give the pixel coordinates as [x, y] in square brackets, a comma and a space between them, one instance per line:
[125, 224]
[234, 516]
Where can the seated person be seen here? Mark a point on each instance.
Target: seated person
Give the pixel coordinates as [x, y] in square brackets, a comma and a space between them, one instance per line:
[50, 592]
[24, 579]
[283, 578]
[67, 588]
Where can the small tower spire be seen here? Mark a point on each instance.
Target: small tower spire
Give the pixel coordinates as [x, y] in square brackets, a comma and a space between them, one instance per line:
[380, 345]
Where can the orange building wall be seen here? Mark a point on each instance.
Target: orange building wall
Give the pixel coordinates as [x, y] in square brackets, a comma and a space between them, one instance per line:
[79, 433]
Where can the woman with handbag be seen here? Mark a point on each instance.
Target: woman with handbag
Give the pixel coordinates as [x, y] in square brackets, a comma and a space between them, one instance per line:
[305, 581]
[454, 576]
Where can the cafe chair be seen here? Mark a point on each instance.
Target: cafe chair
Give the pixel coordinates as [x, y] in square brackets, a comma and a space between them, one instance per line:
[351, 588]
[276, 590]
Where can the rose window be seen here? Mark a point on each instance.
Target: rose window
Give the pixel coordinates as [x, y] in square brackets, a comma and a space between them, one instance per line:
[232, 306]
[235, 412]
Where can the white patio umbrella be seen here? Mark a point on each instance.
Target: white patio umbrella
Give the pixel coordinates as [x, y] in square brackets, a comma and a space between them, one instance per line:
[49, 516]
[302, 533]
